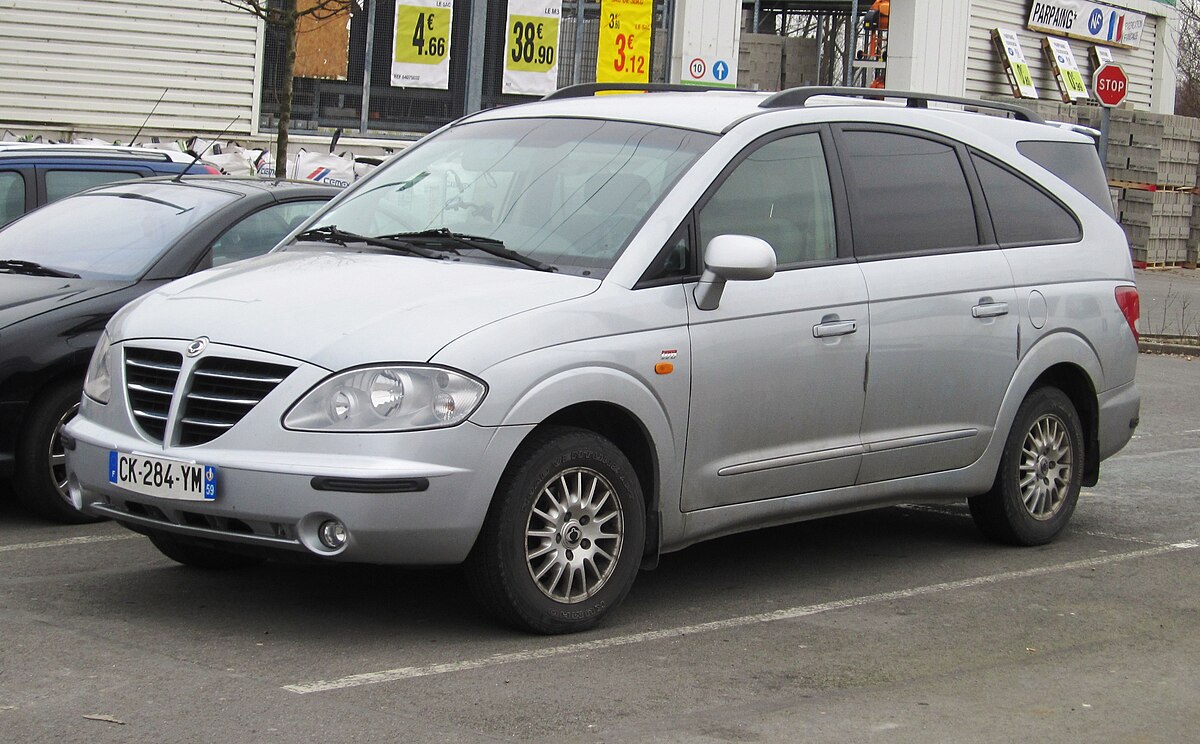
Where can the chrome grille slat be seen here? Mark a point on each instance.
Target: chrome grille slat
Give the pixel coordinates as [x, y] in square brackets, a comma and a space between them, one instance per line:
[222, 391]
[150, 378]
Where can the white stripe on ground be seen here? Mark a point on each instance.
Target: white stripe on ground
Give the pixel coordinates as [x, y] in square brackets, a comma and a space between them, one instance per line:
[67, 541]
[392, 675]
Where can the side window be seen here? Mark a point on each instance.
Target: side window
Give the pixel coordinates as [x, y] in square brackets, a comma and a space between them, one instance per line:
[60, 183]
[1076, 163]
[12, 196]
[260, 232]
[780, 193]
[909, 194]
[1021, 212]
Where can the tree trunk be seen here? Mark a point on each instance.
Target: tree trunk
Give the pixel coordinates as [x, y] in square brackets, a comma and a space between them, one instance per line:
[288, 18]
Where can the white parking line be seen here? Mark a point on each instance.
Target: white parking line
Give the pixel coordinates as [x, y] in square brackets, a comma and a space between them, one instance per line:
[67, 541]
[392, 675]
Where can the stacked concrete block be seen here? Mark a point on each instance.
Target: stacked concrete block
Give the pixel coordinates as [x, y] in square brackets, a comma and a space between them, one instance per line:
[760, 62]
[799, 62]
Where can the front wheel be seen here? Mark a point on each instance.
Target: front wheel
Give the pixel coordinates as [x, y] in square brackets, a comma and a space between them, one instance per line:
[1041, 470]
[40, 477]
[564, 537]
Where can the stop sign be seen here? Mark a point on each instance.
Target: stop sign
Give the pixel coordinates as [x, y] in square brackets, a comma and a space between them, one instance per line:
[1111, 85]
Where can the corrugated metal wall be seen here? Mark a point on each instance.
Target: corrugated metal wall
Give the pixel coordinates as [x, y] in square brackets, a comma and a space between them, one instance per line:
[984, 76]
[101, 64]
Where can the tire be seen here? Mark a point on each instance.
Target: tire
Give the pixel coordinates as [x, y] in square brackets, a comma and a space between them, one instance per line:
[196, 555]
[1041, 470]
[40, 475]
[555, 555]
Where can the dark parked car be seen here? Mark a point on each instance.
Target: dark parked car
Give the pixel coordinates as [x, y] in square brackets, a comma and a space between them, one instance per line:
[66, 268]
[33, 175]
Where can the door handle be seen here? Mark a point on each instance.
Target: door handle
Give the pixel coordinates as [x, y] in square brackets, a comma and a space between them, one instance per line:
[989, 310]
[835, 328]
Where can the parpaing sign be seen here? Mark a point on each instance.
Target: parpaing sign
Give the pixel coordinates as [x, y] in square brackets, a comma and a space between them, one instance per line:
[1094, 22]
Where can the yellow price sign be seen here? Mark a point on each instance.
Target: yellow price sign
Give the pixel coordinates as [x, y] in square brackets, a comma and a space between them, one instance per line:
[624, 51]
[1024, 77]
[422, 34]
[532, 43]
[1074, 82]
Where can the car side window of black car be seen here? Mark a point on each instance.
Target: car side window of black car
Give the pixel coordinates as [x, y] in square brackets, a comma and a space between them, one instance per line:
[259, 232]
[12, 196]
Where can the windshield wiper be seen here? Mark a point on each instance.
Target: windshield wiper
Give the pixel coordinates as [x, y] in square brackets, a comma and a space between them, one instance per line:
[491, 246]
[333, 234]
[13, 266]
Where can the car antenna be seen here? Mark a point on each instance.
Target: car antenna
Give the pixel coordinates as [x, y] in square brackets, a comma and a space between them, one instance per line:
[196, 156]
[147, 121]
[337, 135]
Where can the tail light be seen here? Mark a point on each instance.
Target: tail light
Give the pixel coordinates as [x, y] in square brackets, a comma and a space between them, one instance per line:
[1131, 307]
[210, 170]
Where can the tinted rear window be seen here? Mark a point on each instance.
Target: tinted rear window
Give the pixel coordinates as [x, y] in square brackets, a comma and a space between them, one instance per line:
[1074, 162]
[1021, 212]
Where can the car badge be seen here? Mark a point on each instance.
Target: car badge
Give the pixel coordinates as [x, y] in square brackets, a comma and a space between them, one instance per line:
[197, 347]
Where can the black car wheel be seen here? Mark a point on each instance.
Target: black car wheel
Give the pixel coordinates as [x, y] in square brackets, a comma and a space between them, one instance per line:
[563, 540]
[1040, 473]
[40, 476]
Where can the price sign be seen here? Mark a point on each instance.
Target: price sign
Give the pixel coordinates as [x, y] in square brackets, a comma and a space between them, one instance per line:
[531, 55]
[1066, 72]
[1012, 58]
[421, 44]
[625, 30]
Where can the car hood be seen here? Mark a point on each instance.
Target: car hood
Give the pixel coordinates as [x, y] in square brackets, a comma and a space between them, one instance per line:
[340, 309]
[23, 297]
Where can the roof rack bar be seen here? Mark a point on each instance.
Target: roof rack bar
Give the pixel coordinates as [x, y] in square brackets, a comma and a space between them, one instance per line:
[795, 97]
[584, 90]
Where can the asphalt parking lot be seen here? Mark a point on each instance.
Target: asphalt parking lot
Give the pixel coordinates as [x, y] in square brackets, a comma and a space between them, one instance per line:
[895, 625]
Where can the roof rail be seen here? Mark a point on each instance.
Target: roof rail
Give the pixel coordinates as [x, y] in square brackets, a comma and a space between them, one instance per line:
[799, 97]
[584, 90]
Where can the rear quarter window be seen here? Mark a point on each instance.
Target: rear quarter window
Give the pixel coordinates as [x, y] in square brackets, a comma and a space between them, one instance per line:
[1074, 162]
[1022, 213]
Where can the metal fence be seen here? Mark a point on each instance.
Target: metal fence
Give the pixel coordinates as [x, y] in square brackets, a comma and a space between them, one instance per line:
[340, 98]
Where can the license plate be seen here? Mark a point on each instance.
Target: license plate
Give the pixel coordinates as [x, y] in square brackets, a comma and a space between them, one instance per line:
[157, 476]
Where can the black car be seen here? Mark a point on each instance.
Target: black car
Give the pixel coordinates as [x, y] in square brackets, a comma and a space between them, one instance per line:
[66, 268]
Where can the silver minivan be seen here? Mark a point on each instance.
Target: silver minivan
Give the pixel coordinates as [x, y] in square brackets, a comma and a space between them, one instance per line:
[554, 341]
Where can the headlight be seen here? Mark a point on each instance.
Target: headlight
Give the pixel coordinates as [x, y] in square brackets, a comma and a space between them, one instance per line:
[387, 398]
[98, 383]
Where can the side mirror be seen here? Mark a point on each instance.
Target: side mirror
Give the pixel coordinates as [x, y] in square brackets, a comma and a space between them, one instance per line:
[732, 258]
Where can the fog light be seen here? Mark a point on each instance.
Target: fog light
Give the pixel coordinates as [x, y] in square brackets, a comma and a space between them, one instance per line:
[332, 534]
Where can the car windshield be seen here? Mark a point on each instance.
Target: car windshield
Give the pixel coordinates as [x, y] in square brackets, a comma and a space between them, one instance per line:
[116, 232]
[567, 193]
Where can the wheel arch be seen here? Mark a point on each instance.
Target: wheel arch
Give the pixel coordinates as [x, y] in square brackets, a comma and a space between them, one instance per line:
[1077, 385]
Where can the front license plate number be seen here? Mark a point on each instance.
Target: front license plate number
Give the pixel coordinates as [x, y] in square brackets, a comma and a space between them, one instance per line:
[156, 476]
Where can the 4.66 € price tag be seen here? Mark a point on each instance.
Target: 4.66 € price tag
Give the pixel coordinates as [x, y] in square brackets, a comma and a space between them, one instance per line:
[421, 44]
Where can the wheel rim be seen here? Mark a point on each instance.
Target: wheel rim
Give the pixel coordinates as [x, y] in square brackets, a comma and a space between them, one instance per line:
[57, 455]
[1046, 461]
[574, 535]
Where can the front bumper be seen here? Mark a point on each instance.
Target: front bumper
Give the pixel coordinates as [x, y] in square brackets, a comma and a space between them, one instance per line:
[405, 498]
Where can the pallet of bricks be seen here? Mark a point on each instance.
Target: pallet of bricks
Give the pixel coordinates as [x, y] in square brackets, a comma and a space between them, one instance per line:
[1154, 160]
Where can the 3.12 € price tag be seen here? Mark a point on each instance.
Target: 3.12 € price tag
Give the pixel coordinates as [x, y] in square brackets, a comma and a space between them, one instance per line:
[624, 52]
[421, 44]
[531, 54]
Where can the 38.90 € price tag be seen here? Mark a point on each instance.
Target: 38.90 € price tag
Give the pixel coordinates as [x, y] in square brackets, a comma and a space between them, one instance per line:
[531, 51]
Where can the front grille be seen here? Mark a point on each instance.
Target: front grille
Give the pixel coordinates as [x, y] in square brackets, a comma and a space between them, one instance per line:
[150, 377]
[222, 391]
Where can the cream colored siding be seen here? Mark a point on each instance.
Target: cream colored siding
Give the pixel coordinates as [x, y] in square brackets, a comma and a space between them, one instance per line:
[101, 65]
[985, 77]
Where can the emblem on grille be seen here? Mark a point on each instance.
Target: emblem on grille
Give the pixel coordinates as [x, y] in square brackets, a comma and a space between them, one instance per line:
[197, 347]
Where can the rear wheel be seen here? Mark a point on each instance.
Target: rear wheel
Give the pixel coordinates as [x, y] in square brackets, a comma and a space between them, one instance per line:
[40, 477]
[196, 555]
[563, 540]
[1041, 470]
